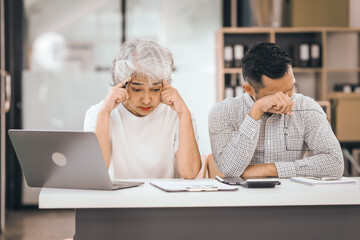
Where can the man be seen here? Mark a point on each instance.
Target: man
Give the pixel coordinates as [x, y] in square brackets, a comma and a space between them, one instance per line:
[269, 130]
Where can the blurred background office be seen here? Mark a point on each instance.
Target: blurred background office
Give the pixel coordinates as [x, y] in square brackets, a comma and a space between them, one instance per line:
[58, 53]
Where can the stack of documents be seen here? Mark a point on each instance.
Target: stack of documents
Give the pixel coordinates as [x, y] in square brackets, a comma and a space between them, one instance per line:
[321, 181]
[203, 185]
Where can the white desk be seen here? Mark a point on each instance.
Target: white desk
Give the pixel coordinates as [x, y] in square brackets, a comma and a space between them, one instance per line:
[290, 211]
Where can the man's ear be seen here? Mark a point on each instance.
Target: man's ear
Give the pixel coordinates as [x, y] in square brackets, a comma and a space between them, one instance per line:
[249, 89]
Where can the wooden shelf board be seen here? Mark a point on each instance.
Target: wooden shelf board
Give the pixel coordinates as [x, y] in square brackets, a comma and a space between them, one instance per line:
[295, 70]
[246, 30]
[338, 95]
[342, 70]
[232, 70]
[306, 70]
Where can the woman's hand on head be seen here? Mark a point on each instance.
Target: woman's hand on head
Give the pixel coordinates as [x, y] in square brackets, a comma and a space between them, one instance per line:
[171, 97]
[116, 95]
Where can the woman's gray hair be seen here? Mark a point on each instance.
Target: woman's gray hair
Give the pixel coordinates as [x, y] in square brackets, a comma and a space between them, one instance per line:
[144, 57]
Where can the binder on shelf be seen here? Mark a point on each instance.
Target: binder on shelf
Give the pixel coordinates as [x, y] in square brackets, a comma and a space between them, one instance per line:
[239, 89]
[315, 55]
[228, 56]
[233, 80]
[229, 90]
[304, 55]
[346, 87]
[239, 52]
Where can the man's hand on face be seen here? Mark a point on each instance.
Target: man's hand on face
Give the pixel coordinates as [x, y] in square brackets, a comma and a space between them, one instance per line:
[278, 103]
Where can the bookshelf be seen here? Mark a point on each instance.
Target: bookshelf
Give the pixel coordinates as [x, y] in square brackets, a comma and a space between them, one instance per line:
[339, 58]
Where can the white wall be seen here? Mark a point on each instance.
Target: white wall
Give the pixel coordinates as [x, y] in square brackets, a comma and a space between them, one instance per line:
[187, 28]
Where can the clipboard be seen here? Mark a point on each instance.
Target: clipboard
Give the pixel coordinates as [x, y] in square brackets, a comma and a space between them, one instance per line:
[324, 180]
[210, 185]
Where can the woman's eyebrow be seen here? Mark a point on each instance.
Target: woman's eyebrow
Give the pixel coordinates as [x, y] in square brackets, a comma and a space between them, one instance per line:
[157, 83]
[135, 83]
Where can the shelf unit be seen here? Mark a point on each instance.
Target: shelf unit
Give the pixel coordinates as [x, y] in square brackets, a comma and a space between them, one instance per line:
[339, 55]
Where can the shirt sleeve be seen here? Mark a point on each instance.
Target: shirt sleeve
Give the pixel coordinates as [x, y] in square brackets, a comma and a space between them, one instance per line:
[232, 148]
[326, 156]
[91, 118]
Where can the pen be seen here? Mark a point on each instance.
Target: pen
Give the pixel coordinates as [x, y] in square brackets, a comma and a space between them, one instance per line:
[126, 83]
[201, 188]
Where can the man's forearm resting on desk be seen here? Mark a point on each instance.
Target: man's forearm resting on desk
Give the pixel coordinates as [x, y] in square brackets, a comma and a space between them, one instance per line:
[261, 170]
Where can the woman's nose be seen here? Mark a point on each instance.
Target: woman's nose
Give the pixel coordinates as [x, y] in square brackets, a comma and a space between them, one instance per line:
[146, 98]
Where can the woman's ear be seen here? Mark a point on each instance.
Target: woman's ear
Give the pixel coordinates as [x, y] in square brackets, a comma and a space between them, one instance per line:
[249, 89]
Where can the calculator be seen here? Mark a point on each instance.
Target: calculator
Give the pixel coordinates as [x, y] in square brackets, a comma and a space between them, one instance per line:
[249, 182]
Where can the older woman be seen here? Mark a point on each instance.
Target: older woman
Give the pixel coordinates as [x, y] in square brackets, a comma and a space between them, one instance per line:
[144, 127]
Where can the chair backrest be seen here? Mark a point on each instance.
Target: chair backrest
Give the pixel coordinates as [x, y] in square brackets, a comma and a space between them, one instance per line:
[213, 171]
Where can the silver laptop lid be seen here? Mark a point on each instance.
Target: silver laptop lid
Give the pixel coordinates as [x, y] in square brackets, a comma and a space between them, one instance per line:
[61, 159]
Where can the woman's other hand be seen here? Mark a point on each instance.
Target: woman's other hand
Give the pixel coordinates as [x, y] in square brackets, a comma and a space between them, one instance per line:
[171, 97]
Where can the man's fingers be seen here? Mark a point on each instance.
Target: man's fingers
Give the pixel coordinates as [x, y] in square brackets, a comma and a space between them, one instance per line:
[290, 105]
[284, 106]
[283, 103]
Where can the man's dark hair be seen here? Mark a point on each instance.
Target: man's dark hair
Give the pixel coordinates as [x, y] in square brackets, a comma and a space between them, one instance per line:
[264, 59]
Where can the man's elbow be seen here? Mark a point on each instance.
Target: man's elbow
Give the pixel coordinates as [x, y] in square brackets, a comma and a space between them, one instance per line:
[337, 165]
[227, 170]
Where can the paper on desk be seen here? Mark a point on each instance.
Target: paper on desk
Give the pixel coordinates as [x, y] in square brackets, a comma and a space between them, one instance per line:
[184, 185]
[308, 181]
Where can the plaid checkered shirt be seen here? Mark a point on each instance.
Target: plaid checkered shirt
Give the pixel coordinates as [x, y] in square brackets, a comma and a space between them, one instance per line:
[301, 144]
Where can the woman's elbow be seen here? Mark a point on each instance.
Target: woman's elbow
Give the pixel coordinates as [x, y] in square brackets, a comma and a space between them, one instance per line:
[189, 174]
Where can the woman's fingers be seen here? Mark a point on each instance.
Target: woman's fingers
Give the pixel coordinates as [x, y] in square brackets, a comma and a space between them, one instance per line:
[167, 98]
[166, 85]
[123, 84]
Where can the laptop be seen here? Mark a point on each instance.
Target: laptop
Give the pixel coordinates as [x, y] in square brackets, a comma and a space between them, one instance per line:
[63, 159]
